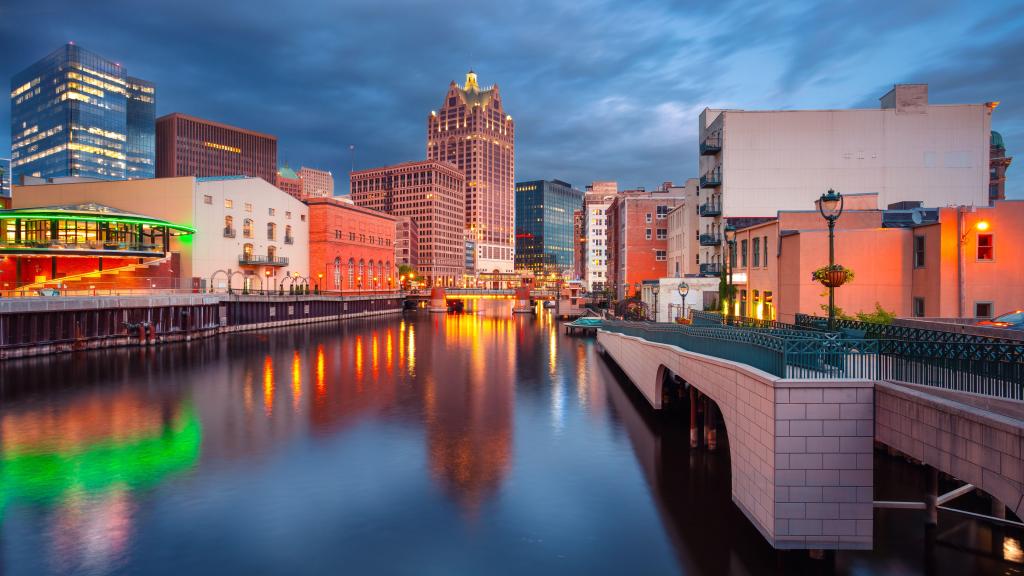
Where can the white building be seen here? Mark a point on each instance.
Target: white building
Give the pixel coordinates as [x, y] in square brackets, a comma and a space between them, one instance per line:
[755, 163]
[683, 223]
[596, 200]
[246, 229]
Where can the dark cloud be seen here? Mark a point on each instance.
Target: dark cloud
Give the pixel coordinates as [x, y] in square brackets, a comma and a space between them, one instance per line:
[600, 89]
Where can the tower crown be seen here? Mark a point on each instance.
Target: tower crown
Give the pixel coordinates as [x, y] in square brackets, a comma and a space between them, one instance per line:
[471, 82]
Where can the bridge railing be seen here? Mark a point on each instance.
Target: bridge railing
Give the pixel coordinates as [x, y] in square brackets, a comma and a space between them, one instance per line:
[993, 369]
[858, 329]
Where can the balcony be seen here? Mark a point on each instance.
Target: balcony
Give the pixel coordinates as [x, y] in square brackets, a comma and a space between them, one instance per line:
[261, 260]
[710, 240]
[710, 209]
[713, 178]
[229, 232]
[712, 144]
[710, 269]
[289, 240]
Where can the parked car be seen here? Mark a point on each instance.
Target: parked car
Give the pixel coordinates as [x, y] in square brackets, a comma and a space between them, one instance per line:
[1011, 321]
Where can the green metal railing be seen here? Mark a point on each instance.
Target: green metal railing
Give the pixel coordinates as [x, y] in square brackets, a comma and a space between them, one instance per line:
[993, 369]
[858, 329]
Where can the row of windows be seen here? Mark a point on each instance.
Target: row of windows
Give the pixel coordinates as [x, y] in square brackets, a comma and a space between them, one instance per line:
[984, 252]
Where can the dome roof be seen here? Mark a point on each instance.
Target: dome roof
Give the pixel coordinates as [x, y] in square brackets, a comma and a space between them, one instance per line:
[286, 172]
[997, 140]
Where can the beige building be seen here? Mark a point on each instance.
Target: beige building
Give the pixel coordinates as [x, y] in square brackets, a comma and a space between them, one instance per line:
[472, 131]
[316, 183]
[683, 245]
[596, 200]
[755, 163]
[246, 229]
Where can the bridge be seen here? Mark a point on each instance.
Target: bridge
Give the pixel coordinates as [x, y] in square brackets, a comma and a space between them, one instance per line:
[802, 408]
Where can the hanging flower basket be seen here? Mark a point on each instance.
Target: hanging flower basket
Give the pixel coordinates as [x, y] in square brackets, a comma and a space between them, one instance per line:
[832, 276]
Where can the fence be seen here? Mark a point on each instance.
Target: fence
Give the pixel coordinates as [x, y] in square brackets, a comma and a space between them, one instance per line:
[989, 368]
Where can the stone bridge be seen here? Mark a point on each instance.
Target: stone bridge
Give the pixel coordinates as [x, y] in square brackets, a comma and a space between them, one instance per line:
[802, 450]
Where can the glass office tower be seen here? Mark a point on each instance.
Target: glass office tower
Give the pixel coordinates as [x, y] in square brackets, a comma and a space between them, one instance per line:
[75, 113]
[5, 177]
[544, 225]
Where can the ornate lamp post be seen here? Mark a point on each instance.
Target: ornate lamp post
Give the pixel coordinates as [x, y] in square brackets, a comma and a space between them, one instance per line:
[730, 261]
[684, 289]
[831, 207]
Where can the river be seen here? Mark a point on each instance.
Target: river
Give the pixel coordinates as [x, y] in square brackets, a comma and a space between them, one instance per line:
[415, 444]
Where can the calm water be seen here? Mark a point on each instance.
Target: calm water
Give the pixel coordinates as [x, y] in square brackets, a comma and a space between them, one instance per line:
[422, 444]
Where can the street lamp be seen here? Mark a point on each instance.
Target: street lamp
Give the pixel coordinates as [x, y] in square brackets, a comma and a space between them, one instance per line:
[831, 207]
[683, 289]
[319, 281]
[730, 262]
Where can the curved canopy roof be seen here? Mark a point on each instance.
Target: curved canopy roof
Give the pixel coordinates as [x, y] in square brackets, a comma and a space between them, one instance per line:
[91, 212]
[997, 140]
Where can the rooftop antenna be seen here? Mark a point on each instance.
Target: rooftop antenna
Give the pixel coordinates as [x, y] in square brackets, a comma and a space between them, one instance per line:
[352, 157]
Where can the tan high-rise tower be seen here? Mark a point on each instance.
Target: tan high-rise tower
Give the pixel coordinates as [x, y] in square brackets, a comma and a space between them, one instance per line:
[472, 131]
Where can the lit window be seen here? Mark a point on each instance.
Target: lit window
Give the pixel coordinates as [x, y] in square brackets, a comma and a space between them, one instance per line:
[228, 203]
[986, 248]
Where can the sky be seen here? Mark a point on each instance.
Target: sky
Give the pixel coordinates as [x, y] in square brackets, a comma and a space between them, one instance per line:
[599, 90]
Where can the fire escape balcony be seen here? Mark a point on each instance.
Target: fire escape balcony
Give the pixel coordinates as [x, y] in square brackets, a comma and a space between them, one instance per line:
[711, 209]
[712, 144]
[710, 269]
[713, 178]
[710, 240]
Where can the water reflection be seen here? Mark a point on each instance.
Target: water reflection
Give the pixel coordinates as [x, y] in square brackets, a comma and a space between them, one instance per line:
[474, 443]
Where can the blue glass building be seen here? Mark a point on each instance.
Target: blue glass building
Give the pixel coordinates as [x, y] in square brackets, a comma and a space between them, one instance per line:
[5, 177]
[544, 225]
[75, 113]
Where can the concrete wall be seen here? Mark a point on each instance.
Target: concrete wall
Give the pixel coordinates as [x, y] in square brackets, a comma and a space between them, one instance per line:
[800, 450]
[781, 160]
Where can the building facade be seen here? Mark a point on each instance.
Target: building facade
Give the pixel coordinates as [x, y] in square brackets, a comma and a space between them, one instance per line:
[755, 163]
[596, 200]
[5, 177]
[999, 162]
[638, 237]
[316, 183]
[407, 244]
[190, 146]
[75, 113]
[544, 226]
[351, 249]
[432, 193]
[248, 234]
[579, 243]
[288, 181]
[684, 236]
[472, 131]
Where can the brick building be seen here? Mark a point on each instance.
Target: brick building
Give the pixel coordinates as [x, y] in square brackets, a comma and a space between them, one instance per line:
[406, 241]
[190, 146]
[638, 236]
[351, 249]
[999, 162]
[287, 180]
[473, 132]
[432, 193]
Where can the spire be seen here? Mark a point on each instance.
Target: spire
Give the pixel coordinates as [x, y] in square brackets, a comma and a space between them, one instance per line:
[471, 82]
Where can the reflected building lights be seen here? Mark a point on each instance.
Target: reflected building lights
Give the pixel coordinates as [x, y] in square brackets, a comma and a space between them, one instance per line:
[268, 385]
[320, 386]
[359, 362]
[1012, 550]
[375, 356]
[296, 380]
[412, 350]
[389, 354]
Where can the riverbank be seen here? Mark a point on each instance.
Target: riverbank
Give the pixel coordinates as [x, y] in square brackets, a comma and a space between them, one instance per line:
[41, 326]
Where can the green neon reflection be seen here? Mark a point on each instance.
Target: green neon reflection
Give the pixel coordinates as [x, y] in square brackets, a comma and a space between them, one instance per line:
[137, 463]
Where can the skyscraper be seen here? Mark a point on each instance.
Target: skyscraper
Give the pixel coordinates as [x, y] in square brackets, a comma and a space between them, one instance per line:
[190, 146]
[5, 177]
[544, 226]
[472, 131]
[75, 113]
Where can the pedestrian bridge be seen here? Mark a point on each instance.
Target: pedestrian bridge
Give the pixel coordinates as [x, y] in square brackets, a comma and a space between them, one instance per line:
[802, 410]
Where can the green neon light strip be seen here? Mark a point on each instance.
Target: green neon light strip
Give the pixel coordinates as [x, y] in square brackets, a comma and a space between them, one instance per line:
[14, 215]
[47, 477]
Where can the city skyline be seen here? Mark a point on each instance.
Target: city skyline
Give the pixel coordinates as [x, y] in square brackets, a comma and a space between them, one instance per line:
[632, 110]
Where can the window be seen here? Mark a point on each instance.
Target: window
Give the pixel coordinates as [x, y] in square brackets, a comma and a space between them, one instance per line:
[351, 236]
[647, 233]
[337, 234]
[271, 231]
[918, 307]
[287, 215]
[248, 207]
[659, 255]
[270, 211]
[648, 217]
[228, 204]
[271, 253]
[982, 309]
[662, 212]
[302, 217]
[288, 234]
[985, 247]
[662, 233]
[743, 253]
[229, 227]
[351, 272]
[207, 199]
[757, 252]
[337, 272]
[247, 228]
[765, 251]
[918, 251]
[247, 251]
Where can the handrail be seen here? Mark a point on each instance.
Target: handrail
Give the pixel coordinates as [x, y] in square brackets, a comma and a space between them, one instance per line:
[94, 273]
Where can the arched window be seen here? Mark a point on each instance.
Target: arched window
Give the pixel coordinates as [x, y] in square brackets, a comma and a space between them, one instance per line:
[247, 228]
[391, 273]
[372, 280]
[247, 252]
[271, 253]
[362, 273]
[381, 273]
[351, 272]
[229, 227]
[288, 234]
[271, 230]
[337, 272]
